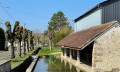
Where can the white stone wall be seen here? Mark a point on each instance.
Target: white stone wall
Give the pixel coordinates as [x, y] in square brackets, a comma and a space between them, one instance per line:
[5, 66]
[106, 52]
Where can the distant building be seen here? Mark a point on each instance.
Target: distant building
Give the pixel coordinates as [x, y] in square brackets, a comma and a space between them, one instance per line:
[104, 12]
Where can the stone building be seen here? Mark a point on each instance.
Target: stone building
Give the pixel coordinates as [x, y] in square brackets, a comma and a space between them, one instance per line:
[95, 49]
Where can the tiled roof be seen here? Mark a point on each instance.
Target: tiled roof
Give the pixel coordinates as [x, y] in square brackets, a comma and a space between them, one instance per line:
[80, 38]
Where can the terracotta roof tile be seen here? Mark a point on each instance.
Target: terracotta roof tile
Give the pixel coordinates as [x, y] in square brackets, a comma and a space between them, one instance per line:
[80, 38]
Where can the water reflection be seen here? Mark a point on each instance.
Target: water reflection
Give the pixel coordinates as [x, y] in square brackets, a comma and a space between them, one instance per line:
[44, 65]
[70, 65]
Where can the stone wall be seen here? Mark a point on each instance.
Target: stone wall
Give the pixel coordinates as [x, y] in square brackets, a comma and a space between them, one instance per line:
[5, 66]
[106, 52]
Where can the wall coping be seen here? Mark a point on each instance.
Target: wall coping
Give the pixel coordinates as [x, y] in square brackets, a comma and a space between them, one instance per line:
[4, 62]
[33, 64]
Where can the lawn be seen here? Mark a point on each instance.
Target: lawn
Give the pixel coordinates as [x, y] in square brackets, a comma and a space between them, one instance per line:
[46, 51]
[17, 61]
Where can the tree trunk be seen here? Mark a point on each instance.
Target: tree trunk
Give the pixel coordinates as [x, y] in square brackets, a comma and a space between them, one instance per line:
[27, 49]
[37, 43]
[23, 49]
[19, 48]
[29, 45]
[11, 51]
[50, 44]
[43, 44]
[32, 45]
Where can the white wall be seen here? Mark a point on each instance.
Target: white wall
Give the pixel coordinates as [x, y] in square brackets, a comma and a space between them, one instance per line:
[89, 21]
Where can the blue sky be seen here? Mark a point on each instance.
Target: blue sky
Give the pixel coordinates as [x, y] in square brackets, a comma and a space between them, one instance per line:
[37, 13]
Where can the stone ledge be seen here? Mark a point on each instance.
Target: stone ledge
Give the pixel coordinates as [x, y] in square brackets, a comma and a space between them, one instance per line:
[32, 65]
[5, 66]
[4, 62]
[78, 65]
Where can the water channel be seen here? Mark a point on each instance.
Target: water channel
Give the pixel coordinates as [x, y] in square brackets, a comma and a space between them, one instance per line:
[54, 65]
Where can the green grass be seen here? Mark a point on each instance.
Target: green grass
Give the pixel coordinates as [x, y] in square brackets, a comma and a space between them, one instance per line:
[17, 61]
[46, 51]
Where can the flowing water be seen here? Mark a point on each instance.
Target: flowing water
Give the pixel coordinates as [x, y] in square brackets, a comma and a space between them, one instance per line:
[45, 65]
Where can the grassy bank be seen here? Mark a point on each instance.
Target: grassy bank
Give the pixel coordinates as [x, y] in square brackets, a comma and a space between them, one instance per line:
[46, 51]
[17, 61]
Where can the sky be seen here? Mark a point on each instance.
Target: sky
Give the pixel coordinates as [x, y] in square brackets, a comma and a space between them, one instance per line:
[36, 14]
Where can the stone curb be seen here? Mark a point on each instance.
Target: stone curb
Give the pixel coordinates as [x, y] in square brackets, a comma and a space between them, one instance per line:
[33, 64]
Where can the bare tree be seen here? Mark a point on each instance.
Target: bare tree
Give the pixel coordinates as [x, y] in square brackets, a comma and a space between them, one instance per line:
[37, 35]
[10, 38]
[49, 34]
[18, 36]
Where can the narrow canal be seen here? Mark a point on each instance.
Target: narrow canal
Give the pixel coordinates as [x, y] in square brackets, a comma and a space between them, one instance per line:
[51, 64]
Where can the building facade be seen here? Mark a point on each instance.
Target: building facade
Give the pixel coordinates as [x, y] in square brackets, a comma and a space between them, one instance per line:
[104, 12]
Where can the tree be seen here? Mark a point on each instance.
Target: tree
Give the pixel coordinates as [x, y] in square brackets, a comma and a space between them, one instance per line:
[2, 39]
[58, 20]
[10, 38]
[37, 35]
[59, 35]
[49, 34]
[43, 39]
[23, 41]
[31, 40]
[29, 37]
[18, 36]
[26, 40]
